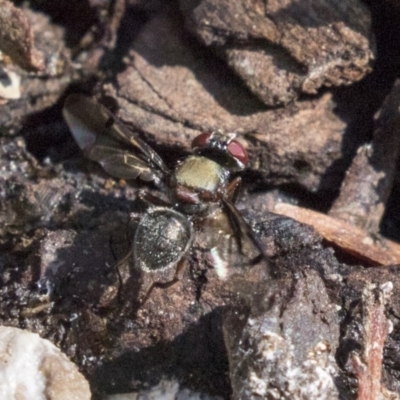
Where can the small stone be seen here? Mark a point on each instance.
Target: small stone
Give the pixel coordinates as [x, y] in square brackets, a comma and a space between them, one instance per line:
[33, 368]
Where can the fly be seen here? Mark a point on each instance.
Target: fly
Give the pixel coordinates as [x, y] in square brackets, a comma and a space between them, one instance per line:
[196, 197]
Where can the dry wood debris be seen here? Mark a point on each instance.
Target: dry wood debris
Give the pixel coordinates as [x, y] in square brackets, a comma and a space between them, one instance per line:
[312, 90]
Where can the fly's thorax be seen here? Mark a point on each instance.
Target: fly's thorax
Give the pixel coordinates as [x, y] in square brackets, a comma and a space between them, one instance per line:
[200, 175]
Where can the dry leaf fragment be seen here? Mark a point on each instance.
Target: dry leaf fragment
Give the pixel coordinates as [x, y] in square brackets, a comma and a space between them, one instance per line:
[349, 238]
[369, 180]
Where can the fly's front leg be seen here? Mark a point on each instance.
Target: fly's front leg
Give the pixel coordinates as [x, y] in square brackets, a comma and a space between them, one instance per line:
[232, 190]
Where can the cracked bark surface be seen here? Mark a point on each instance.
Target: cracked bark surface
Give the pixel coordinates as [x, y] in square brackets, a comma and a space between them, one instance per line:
[284, 49]
[316, 306]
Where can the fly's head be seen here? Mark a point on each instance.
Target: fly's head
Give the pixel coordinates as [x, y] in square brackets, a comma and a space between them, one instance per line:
[223, 148]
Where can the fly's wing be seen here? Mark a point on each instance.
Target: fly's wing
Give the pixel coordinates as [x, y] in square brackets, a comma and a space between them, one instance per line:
[103, 139]
[230, 243]
[243, 233]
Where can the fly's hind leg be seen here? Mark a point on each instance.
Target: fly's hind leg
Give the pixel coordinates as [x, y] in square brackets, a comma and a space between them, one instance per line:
[149, 282]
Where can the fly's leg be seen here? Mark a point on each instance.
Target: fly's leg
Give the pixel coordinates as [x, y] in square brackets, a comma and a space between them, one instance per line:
[149, 283]
[232, 190]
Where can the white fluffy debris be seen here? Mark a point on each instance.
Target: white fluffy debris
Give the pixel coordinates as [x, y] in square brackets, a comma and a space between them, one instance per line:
[10, 85]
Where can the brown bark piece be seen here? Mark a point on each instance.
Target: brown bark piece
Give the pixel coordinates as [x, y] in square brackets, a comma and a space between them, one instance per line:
[368, 369]
[285, 350]
[369, 341]
[351, 239]
[65, 231]
[369, 179]
[172, 93]
[118, 13]
[16, 38]
[281, 49]
[39, 92]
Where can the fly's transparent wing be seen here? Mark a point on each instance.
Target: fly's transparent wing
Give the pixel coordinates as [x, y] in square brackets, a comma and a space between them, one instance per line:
[105, 140]
[244, 234]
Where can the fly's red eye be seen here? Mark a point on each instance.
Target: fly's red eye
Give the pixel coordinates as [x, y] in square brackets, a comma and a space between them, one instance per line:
[201, 140]
[237, 151]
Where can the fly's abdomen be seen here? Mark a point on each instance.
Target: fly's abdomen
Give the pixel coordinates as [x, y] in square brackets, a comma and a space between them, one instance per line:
[162, 238]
